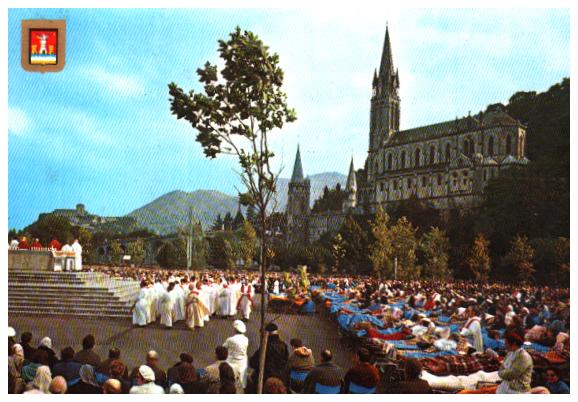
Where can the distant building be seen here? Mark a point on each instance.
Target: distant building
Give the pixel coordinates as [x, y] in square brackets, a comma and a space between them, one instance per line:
[80, 217]
[446, 164]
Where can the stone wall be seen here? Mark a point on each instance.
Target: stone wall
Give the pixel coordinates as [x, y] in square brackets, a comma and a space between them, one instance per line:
[30, 260]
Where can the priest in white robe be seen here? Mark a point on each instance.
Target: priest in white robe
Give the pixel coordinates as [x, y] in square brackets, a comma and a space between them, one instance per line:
[195, 308]
[237, 346]
[167, 306]
[473, 331]
[225, 301]
[139, 310]
[77, 248]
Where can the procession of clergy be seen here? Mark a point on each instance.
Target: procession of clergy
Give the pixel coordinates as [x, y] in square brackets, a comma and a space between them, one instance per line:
[194, 300]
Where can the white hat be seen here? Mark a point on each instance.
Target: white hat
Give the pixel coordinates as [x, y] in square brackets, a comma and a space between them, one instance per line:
[240, 326]
[176, 389]
[11, 332]
[147, 373]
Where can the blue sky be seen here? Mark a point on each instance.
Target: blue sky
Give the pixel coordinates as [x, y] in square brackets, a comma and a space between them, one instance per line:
[101, 133]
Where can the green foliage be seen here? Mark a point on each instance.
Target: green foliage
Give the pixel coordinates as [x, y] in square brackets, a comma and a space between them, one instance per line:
[404, 242]
[116, 252]
[520, 258]
[479, 259]
[50, 227]
[136, 250]
[173, 254]
[331, 200]
[434, 245]
[381, 250]
[338, 251]
[222, 253]
[355, 246]
[85, 239]
[420, 213]
[247, 243]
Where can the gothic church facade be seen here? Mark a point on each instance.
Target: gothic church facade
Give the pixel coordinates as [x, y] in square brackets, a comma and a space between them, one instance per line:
[446, 164]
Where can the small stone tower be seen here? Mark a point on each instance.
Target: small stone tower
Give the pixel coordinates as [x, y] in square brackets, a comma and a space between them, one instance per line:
[351, 190]
[298, 205]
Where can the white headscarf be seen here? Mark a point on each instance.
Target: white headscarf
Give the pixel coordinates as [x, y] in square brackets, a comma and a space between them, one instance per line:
[46, 342]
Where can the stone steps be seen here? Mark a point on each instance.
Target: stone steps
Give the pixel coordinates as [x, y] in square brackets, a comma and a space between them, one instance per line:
[80, 294]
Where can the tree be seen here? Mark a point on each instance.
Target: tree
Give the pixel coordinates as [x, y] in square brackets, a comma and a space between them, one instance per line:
[136, 250]
[228, 221]
[248, 243]
[478, 260]
[435, 246]
[338, 251]
[85, 240]
[116, 252]
[404, 248]
[355, 245]
[238, 220]
[222, 251]
[521, 257]
[381, 250]
[50, 227]
[235, 115]
[218, 224]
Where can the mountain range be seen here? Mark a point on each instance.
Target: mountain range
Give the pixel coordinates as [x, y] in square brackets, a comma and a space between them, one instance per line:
[170, 211]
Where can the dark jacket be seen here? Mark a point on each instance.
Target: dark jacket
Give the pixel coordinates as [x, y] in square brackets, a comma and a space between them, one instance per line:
[28, 351]
[328, 374]
[104, 368]
[195, 387]
[52, 359]
[83, 388]
[87, 356]
[69, 369]
[275, 359]
[363, 374]
[417, 386]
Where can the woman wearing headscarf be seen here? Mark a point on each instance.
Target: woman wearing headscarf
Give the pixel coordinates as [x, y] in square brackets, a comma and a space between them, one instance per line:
[87, 383]
[41, 382]
[15, 362]
[46, 345]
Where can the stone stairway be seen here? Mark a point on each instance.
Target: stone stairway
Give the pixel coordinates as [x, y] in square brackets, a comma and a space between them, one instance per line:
[81, 294]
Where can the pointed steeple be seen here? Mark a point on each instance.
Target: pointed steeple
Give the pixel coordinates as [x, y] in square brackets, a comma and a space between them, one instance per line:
[350, 201]
[351, 180]
[386, 66]
[297, 176]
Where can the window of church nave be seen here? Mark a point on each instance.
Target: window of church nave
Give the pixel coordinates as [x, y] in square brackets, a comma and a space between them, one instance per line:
[485, 175]
[402, 161]
[423, 181]
[395, 184]
[491, 146]
[417, 155]
[389, 161]
[432, 155]
[439, 179]
[448, 152]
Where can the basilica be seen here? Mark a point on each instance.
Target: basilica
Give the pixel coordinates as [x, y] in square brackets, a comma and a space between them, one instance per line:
[445, 164]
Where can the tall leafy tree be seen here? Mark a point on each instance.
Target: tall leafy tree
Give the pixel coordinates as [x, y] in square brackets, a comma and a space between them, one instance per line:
[521, 258]
[116, 252]
[136, 250]
[381, 250]
[479, 261]
[355, 244]
[435, 246]
[338, 250]
[239, 109]
[404, 243]
[247, 243]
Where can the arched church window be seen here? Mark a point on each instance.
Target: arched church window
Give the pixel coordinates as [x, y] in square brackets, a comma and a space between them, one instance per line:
[389, 161]
[508, 145]
[417, 157]
[491, 146]
[432, 155]
[448, 152]
[402, 161]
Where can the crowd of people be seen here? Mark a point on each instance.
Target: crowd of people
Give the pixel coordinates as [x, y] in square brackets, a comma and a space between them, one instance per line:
[512, 338]
[74, 249]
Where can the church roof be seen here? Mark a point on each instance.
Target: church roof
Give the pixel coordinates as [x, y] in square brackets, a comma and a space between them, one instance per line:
[464, 124]
[297, 176]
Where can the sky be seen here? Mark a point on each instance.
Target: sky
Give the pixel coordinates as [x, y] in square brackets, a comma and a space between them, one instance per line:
[101, 133]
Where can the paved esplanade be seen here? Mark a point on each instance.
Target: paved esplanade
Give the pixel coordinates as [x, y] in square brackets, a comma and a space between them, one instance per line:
[316, 331]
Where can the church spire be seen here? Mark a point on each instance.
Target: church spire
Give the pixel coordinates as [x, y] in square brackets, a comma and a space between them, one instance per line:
[350, 202]
[386, 66]
[297, 176]
[351, 180]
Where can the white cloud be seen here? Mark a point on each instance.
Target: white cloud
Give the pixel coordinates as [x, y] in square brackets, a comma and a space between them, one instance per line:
[18, 121]
[115, 83]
